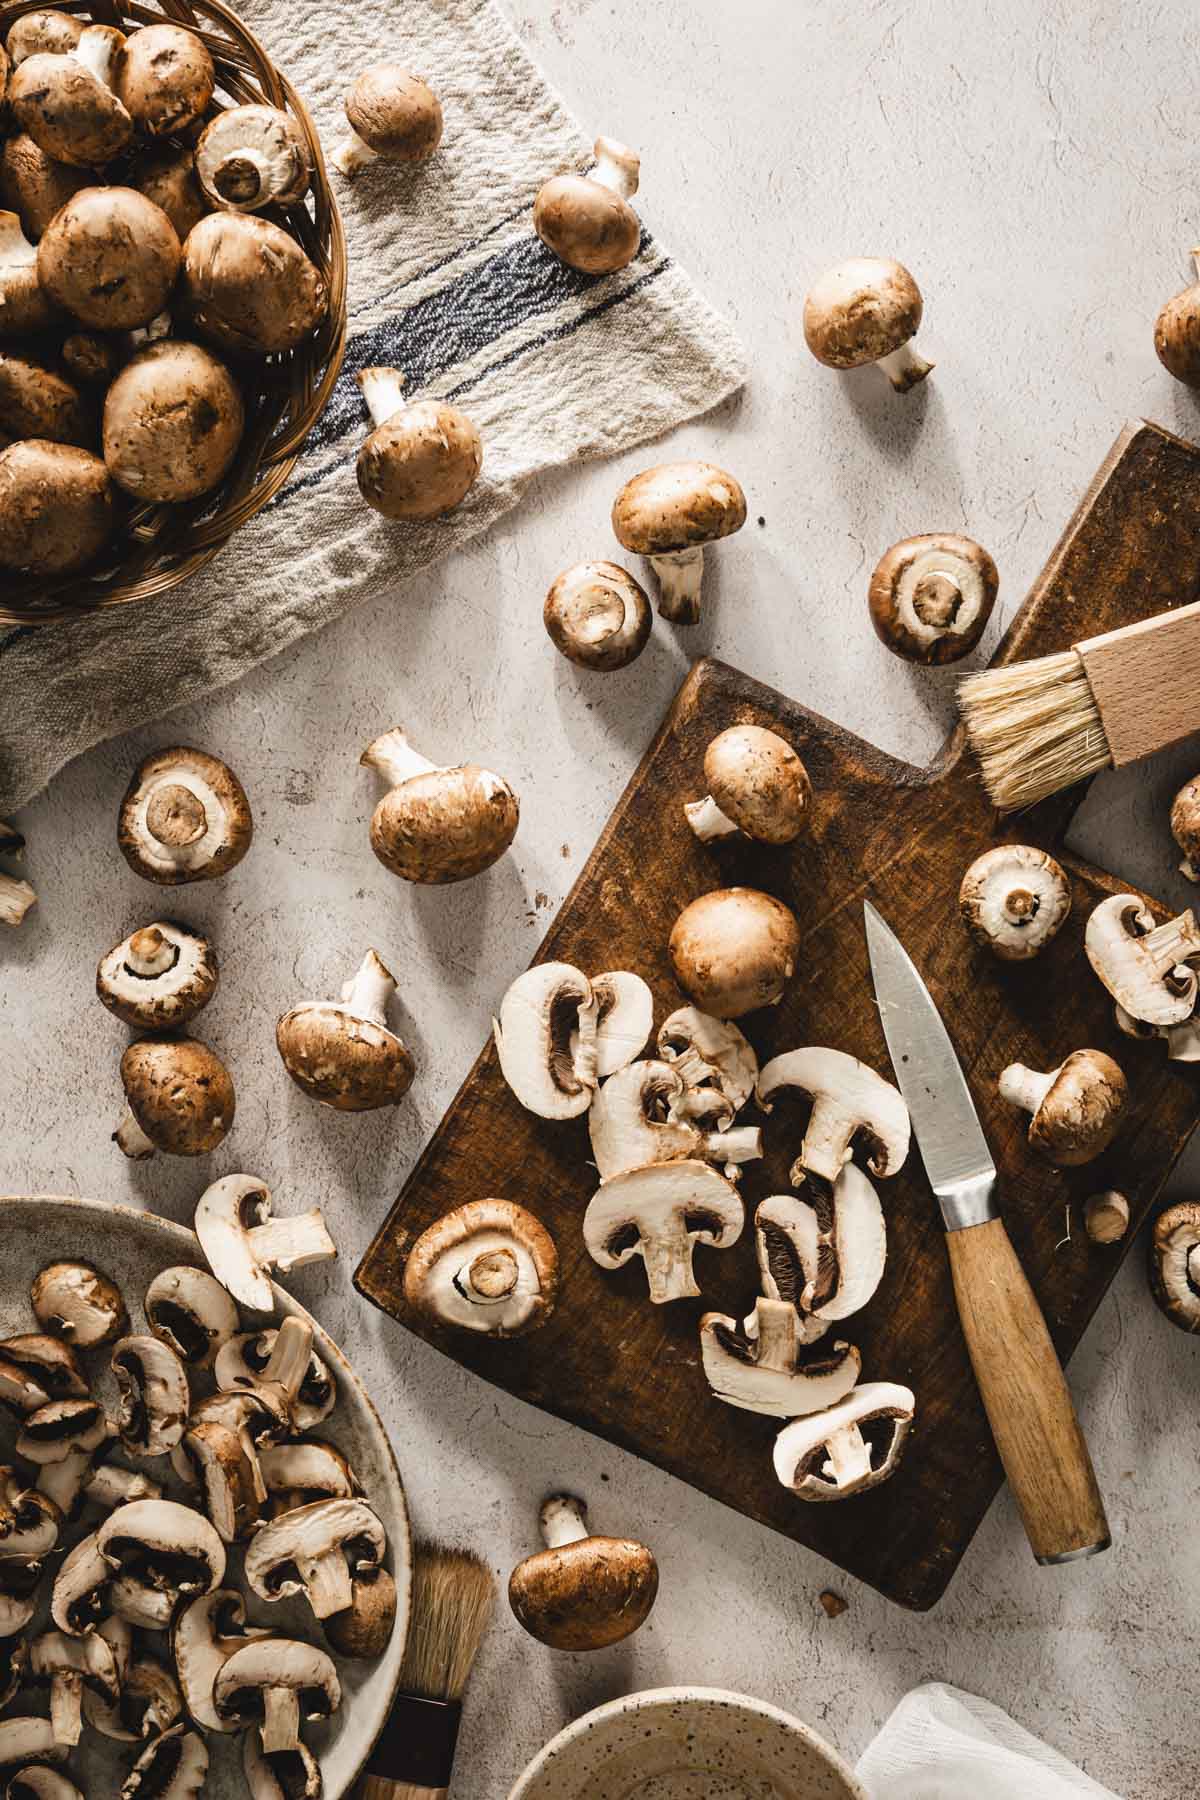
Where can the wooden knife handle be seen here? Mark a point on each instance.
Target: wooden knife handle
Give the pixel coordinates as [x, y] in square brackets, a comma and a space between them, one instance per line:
[1025, 1394]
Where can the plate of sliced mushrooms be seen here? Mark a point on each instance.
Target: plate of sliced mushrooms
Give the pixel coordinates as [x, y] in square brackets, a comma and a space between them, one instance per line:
[204, 1544]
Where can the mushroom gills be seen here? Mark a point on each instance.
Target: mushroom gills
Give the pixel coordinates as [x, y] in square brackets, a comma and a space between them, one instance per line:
[1149, 969]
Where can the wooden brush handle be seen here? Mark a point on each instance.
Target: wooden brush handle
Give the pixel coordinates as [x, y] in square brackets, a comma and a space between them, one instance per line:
[1145, 680]
[1026, 1397]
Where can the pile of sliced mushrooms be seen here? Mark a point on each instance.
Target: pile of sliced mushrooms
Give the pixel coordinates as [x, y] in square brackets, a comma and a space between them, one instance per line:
[120, 1525]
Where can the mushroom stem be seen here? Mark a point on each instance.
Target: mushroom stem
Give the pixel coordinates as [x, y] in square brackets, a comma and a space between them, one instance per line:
[290, 1356]
[97, 50]
[1172, 943]
[150, 953]
[281, 1719]
[16, 898]
[1025, 1087]
[1020, 905]
[904, 367]
[66, 1698]
[175, 816]
[131, 1140]
[327, 1583]
[563, 1520]
[494, 1275]
[289, 1243]
[369, 989]
[395, 759]
[352, 155]
[707, 820]
[617, 167]
[383, 391]
[679, 575]
[742, 1144]
[847, 1456]
[778, 1334]
[242, 177]
[667, 1254]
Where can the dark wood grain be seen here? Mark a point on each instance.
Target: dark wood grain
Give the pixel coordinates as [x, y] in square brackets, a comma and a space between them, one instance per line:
[609, 1361]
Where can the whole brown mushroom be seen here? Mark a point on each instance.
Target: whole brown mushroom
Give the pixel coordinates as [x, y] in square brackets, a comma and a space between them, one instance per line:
[36, 402]
[253, 156]
[173, 421]
[586, 219]
[184, 817]
[249, 286]
[422, 459]
[393, 116]
[67, 103]
[34, 185]
[344, 1053]
[110, 257]
[46, 32]
[165, 79]
[669, 514]
[1185, 827]
[932, 596]
[757, 786]
[437, 824]
[582, 1592]
[867, 310]
[1075, 1110]
[597, 615]
[734, 950]
[179, 1099]
[1177, 332]
[1014, 900]
[25, 306]
[159, 977]
[56, 507]
[166, 174]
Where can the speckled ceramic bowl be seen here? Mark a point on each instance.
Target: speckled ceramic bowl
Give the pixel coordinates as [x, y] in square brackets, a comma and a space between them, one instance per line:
[131, 1247]
[688, 1744]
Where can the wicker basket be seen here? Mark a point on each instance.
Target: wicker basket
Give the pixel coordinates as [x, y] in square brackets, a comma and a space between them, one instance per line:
[159, 546]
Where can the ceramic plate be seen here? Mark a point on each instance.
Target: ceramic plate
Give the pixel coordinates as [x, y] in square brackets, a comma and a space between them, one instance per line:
[688, 1744]
[131, 1247]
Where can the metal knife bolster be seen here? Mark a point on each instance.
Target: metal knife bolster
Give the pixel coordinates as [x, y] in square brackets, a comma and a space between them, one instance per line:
[972, 1201]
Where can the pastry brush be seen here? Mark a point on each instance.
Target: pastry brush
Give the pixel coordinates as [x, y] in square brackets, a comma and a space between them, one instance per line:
[452, 1600]
[1041, 726]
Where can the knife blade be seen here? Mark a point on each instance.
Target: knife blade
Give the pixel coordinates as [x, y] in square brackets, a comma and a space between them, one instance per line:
[1021, 1382]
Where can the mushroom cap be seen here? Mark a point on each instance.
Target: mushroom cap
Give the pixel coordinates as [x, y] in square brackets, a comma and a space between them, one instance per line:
[509, 1242]
[165, 79]
[365, 1628]
[1014, 899]
[110, 257]
[49, 31]
[587, 225]
[421, 462]
[166, 174]
[342, 1059]
[173, 420]
[932, 596]
[248, 285]
[26, 309]
[395, 113]
[34, 185]
[1177, 336]
[1081, 1113]
[74, 1301]
[56, 507]
[759, 782]
[161, 998]
[178, 783]
[1175, 1264]
[252, 156]
[190, 1310]
[860, 310]
[733, 950]
[445, 825]
[180, 1094]
[69, 111]
[1185, 824]
[585, 1595]
[677, 505]
[36, 402]
[597, 615]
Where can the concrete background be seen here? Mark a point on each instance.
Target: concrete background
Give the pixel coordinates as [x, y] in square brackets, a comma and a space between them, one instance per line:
[1035, 166]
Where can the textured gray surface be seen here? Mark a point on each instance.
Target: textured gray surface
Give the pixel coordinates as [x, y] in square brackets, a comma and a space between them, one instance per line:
[1035, 165]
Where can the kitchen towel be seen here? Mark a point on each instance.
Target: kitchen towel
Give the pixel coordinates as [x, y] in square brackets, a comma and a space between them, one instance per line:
[943, 1744]
[448, 283]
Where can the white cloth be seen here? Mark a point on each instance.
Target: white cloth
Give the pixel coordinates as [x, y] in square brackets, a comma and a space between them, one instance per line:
[942, 1744]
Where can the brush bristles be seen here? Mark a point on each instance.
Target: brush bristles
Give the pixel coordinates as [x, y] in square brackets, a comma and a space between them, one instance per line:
[452, 1600]
[1034, 727]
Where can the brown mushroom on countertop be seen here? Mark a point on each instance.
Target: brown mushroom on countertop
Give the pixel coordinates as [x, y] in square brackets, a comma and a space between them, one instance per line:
[661, 1213]
[179, 1099]
[733, 950]
[109, 257]
[184, 817]
[586, 220]
[1076, 1109]
[1175, 1264]
[344, 1053]
[1177, 332]
[437, 824]
[932, 596]
[488, 1266]
[253, 156]
[38, 402]
[67, 102]
[582, 1592]
[597, 615]
[165, 79]
[56, 507]
[669, 514]
[393, 115]
[867, 310]
[159, 977]
[248, 285]
[756, 785]
[25, 305]
[173, 422]
[848, 1448]
[74, 1301]
[1014, 899]
[1185, 827]
[421, 459]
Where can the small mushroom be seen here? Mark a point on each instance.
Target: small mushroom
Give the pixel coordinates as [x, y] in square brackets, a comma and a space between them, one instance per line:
[824, 1256]
[597, 615]
[190, 1310]
[37, 402]
[166, 1549]
[178, 1099]
[1177, 332]
[393, 115]
[56, 507]
[159, 977]
[669, 514]
[165, 79]
[249, 286]
[558, 1034]
[437, 824]
[581, 1592]
[636, 1119]
[1014, 900]
[661, 1213]
[1175, 1264]
[73, 1301]
[52, 32]
[109, 257]
[275, 1684]
[166, 174]
[1185, 827]
[34, 186]
[155, 1400]
[488, 1266]
[79, 1595]
[185, 817]
[344, 1054]
[586, 219]
[761, 1371]
[54, 1430]
[422, 457]
[848, 1448]
[67, 1664]
[734, 950]
[867, 310]
[364, 1630]
[25, 306]
[253, 156]
[1148, 969]
[1076, 1109]
[245, 1361]
[173, 422]
[149, 1702]
[708, 1053]
[932, 596]
[757, 785]
[285, 1775]
[1106, 1217]
[173, 1766]
[67, 103]
[243, 1242]
[315, 1550]
[850, 1103]
[204, 1635]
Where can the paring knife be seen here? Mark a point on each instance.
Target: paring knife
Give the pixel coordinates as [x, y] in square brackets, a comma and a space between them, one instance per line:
[1024, 1391]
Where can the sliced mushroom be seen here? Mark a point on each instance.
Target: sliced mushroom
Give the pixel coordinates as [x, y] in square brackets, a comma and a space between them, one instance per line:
[178, 1099]
[297, 1473]
[285, 1775]
[634, 1121]
[38, 402]
[63, 1482]
[36, 1782]
[1182, 1040]
[111, 1485]
[190, 1310]
[245, 1361]
[25, 1740]
[54, 1430]
[14, 1665]
[1106, 1217]
[16, 1609]
[173, 422]
[708, 1053]
[276, 1683]
[669, 514]
[586, 219]
[185, 817]
[867, 310]
[149, 1701]
[243, 1242]
[204, 1635]
[1148, 969]
[66, 101]
[581, 1592]
[248, 285]
[437, 824]
[110, 258]
[850, 1103]
[345, 1054]
[78, 1600]
[660, 1214]
[559, 1034]
[29, 1522]
[1076, 1109]
[1014, 900]
[165, 79]
[757, 786]
[68, 1664]
[315, 1550]
[255, 1416]
[734, 950]
[56, 515]
[1175, 1264]
[47, 1361]
[849, 1447]
[422, 458]
[155, 1399]
[253, 156]
[228, 1474]
[826, 1256]
[761, 1370]
[75, 1302]
[597, 615]
[488, 1266]
[932, 596]
[16, 898]
[168, 1550]
[173, 1766]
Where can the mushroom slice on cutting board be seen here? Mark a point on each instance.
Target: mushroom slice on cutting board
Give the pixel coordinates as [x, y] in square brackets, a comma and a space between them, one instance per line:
[849, 1447]
[272, 1685]
[488, 1266]
[635, 1121]
[826, 1256]
[850, 1103]
[559, 1034]
[661, 1213]
[708, 1053]
[1182, 1041]
[1148, 969]
[315, 1550]
[761, 1371]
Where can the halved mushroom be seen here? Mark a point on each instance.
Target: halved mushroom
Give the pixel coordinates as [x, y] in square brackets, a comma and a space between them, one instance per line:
[54, 1430]
[634, 1121]
[34, 185]
[228, 1475]
[68, 1664]
[344, 1053]
[315, 1550]
[364, 1629]
[173, 422]
[708, 1053]
[19, 1601]
[155, 1399]
[660, 1214]
[1014, 899]
[276, 1684]
[298, 1472]
[245, 1361]
[850, 1104]
[393, 115]
[581, 1592]
[1175, 1264]
[166, 1549]
[78, 1601]
[190, 1310]
[757, 786]
[932, 596]
[111, 1485]
[243, 1242]
[25, 1740]
[487, 1266]
[109, 257]
[204, 1635]
[159, 977]
[1076, 1109]
[285, 1775]
[66, 101]
[761, 1370]
[38, 402]
[49, 1363]
[29, 1522]
[826, 1256]
[734, 950]
[422, 458]
[166, 174]
[669, 514]
[56, 508]
[178, 1099]
[559, 1034]
[597, 615]
[149, 1701]
[1148, 969]
[185, 817]
[248, 285]
[165, 79]
[1185, 827]
[1182, 1040]
[253, 156]
[75, 1302]
[849, 1447]
[867, 310]
[437, 824]
[173, 1766]
[586, 219]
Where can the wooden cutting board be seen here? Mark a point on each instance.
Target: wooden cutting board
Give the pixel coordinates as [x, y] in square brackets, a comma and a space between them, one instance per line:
[631, 1372]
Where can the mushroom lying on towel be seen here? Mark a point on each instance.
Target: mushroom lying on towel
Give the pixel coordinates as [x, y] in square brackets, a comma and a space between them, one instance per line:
[932, 596]
[559, 1034]
[159, 977]
[253, 156]
[1076, 1109]
[422, 458]
[867, 310]
[849, 1447]
[179, 1099]
[243, 1242]
[393, 115]
[1148, 969]
[487, 1266]
[343, 1053]
[597, 615]
[582, 1592]
[1014, 900]
[757, 785]
[850, 1102]
[184, 817]
[669, 514]
[586, 219]
[661, 1213]
[437, 824]
[734, 950]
